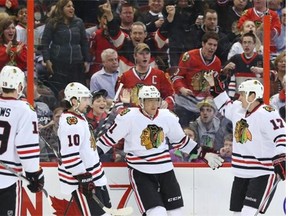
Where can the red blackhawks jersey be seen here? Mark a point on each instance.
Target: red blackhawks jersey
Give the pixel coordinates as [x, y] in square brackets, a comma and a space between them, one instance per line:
[144, 139]
[191, 70]
[257, 137]
[77, 155]
[19, 147]
[155, 77]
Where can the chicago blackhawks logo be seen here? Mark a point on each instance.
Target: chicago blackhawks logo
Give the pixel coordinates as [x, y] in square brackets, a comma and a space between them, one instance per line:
[269, 108]
[72, 120]
[199, 83]
[152, 137]
[134, 94]
[242, 133]
[123, 112]
[185, 57]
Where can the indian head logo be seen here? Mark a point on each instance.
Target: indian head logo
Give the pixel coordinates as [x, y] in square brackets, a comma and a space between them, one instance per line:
[242, 133]
[152, 137]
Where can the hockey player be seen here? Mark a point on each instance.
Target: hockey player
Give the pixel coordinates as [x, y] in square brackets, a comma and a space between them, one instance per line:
[19, 148]
[151, 173]
[81, 169]
[259, 144]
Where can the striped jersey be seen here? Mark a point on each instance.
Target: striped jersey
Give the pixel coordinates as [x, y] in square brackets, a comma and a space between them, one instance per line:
[145, 142]
[19, 139]
[257, 137]
[77, 155]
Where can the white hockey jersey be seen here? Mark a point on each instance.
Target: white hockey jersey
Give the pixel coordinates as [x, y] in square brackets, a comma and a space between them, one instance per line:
[77, 155]
[19, 139]
[144, 139]
[257, 137]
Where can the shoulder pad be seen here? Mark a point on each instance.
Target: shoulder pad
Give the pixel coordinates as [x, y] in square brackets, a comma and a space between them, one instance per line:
[72, 120]
[172, 113]
[185, 57]
[124, 112]
[268, 108]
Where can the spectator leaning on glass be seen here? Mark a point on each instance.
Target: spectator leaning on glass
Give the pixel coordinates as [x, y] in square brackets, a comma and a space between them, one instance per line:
[65, 47]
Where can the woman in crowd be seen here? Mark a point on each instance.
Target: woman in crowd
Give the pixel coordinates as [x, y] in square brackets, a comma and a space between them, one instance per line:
[65, 47]
[12, 52]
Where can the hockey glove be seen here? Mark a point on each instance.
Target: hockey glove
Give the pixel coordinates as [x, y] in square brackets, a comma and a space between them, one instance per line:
[216, 86]
[36, 180]
[279, 163]
[212, 159]
[85, 183]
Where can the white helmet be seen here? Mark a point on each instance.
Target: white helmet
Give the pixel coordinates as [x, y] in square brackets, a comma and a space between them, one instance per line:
[252, 86]
[148, 92]
[11, 77]
[76, 90]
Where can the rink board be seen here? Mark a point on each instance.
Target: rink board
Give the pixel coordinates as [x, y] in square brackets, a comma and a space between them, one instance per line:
[205, 192]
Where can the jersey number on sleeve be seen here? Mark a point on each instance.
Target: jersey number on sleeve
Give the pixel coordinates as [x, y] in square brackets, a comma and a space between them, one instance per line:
[74, 140]
[5, 128]
[277, 123]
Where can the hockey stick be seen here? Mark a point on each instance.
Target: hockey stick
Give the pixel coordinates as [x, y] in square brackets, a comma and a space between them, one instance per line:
[58, 156]
[268, 196]
[121, 211]
[102, 129]
[20, 175]
[68, 206]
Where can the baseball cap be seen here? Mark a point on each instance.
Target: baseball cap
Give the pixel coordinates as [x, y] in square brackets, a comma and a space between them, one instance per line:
[97, 94]
[207, 102]
[141, 47]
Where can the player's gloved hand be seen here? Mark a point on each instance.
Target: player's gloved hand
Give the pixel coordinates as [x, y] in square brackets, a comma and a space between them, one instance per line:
[36, 180]
[213, 160]
[85, 183]
[216, 86]
[279, 163]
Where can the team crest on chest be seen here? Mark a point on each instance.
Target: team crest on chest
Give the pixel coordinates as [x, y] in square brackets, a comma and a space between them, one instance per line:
[31, 107]
[242, 133]
[269, 108]
[152, 137]
[72, 120]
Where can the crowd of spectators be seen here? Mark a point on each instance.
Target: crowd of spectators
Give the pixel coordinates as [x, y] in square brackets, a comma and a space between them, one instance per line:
[169, 44]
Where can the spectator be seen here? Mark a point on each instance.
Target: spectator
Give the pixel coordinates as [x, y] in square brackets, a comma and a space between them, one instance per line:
[188, 82]
[181, 38]
[12, 52]
[243, 66]
[107, 77]
[206, 126]
[96, 116]
[21, 27]
[280, 41]
[154, 18]
[48, 134]
[99, 41]
[65, 47]
[226, 151]
[280, 67]
[279, 100]
[9, 6]
[256, 14]
[144, 74]
[138, 34]
[126, 15]
[210, 23]
[237, 46]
